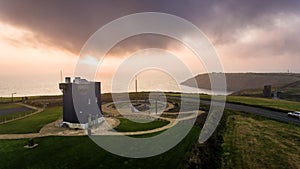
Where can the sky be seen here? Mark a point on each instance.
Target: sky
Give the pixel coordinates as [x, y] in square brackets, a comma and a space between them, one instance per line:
[43, 37]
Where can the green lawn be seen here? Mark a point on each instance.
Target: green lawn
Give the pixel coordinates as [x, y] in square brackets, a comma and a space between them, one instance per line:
[82, 153]
[255, 142]
[283, 105]
[127, 125]
[32, 124]
[249, 142]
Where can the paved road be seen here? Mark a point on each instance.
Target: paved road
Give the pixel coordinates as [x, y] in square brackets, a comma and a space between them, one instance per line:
[276, 115]
[37, 110]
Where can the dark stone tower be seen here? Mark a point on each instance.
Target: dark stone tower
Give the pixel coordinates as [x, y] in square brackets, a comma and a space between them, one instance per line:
[267, 92]
[87, 108]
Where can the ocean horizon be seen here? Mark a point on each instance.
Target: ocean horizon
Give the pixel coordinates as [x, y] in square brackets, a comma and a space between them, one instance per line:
[49, 85]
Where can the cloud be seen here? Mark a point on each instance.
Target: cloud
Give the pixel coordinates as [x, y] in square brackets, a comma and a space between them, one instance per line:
[130, 45]
[281, 39]
[68, 24]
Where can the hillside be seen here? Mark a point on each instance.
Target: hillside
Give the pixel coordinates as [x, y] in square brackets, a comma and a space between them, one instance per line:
[291, 88]
[242, 81]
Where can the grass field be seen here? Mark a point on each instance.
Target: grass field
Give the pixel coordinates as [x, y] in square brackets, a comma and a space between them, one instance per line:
[247, 141]
[33, 123]
[255, 142]
[127, 125]
[81, 152]
[283, 105]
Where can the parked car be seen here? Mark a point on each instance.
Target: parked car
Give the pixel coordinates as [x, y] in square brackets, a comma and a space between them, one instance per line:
[294, 114]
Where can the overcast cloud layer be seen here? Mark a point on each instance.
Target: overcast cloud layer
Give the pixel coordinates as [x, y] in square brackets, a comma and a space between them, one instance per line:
[252, 28]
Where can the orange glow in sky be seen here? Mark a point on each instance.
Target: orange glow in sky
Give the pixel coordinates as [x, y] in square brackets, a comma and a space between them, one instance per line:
[22, 54]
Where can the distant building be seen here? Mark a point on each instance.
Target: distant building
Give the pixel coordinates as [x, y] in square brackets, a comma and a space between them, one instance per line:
[267, 92]
[88, 107]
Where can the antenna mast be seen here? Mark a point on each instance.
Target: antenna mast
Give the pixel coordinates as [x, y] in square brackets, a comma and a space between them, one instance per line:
[136, 94]
[136, 84]
[61, 76]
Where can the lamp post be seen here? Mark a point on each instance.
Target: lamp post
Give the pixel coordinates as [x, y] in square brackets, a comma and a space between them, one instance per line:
[156, 105]
[12, 96]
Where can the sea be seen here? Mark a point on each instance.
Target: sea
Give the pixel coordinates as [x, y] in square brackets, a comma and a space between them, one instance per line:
[49, 85]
